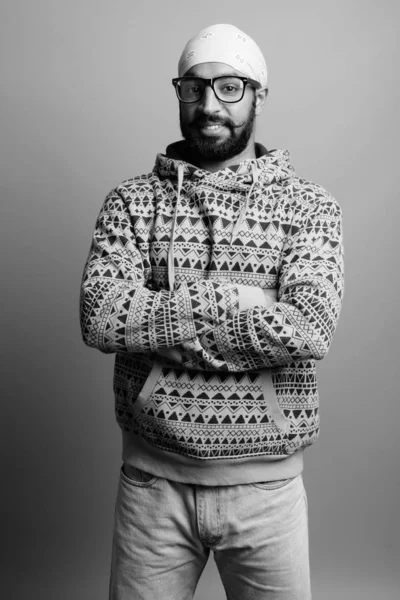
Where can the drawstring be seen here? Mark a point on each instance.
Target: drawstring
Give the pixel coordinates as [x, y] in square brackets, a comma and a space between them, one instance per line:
[171, 265]
[246, 204]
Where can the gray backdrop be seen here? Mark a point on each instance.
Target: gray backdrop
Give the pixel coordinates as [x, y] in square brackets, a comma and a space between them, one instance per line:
[87, 102]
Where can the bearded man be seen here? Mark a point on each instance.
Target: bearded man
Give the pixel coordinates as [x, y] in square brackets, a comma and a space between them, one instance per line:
[217, 281]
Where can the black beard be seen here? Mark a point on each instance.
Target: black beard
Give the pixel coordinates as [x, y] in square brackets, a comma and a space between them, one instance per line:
[211, 149]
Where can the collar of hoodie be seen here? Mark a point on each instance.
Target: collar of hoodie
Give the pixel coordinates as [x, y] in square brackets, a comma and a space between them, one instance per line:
[267, 168]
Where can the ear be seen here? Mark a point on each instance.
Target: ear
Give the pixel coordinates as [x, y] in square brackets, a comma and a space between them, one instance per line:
[260, 100]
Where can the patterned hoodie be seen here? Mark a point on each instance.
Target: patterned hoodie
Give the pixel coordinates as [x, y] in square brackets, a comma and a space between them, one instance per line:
[206, 392]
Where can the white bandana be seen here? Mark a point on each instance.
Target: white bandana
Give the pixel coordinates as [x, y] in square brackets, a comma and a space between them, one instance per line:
[225, 44]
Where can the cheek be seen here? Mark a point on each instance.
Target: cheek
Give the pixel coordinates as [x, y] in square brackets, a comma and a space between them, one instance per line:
[239, 113]
[186, 112]
[244, 108]
[240, 116]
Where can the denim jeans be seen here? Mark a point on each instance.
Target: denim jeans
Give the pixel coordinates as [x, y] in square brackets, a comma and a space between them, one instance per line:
[164, 531]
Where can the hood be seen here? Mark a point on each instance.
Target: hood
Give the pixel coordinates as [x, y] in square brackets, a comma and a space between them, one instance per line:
[267, 168]
[272, 166]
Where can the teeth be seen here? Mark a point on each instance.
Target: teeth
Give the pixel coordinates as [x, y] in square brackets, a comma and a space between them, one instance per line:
[213, 126]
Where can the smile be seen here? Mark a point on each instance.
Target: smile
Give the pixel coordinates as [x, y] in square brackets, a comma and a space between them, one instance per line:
[211, 129]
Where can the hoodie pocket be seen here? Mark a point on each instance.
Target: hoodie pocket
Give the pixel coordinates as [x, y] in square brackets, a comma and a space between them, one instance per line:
[211, 415]
[271, 401]
[148, 388]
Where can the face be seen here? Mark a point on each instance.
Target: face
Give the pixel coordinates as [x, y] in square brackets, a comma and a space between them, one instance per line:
[214, 130]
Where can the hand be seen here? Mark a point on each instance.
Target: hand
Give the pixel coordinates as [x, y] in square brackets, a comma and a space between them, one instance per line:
[250, 296]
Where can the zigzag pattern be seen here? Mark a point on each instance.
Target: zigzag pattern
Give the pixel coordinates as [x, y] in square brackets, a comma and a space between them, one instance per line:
[212, 405]
[214, 414]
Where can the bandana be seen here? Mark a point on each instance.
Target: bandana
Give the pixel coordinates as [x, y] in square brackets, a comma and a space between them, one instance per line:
[225, 44]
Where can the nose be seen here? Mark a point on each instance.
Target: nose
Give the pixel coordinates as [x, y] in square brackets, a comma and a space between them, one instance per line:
[209, 103]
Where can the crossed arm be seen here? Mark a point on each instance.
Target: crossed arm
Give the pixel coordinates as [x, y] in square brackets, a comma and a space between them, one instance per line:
[248, 297]
[212, 324]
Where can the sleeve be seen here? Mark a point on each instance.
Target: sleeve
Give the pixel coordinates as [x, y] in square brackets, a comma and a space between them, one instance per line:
[300, 325]
[118, 313]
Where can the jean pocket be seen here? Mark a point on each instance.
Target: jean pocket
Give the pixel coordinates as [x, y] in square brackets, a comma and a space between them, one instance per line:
[273, 485]
[136, 477]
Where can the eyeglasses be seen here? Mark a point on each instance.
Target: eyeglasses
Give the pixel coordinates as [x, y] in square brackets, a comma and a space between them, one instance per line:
[226, 88]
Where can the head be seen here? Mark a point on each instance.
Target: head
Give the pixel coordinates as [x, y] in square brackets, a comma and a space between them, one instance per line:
[215, 129]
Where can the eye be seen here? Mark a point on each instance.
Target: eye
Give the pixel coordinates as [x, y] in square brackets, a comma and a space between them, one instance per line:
[229, 88]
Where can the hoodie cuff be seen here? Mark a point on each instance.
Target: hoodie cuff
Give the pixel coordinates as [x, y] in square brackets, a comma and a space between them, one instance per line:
[211, 303]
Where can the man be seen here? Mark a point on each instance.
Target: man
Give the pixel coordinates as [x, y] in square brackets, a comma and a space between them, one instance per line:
[217, 280]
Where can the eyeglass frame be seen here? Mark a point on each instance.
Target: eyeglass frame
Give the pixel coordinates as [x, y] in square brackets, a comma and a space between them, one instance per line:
[246, 81]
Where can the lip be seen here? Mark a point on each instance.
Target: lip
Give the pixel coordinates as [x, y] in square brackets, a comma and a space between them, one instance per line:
[212, 129]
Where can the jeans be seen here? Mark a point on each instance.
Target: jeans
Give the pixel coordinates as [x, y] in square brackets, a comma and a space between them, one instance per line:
[164, 531]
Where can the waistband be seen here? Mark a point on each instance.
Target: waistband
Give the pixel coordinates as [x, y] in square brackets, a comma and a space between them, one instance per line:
[176, 467]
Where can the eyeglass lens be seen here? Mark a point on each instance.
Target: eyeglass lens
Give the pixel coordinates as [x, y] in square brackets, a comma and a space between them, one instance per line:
[227, 89]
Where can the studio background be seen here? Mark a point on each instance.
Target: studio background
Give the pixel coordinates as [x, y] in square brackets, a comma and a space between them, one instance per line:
[86, 103]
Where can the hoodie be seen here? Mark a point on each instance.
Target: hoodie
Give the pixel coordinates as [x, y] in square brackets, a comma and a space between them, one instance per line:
[207, 391]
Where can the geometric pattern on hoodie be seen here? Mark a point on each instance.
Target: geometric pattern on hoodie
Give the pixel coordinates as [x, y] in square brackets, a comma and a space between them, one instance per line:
[211, 403]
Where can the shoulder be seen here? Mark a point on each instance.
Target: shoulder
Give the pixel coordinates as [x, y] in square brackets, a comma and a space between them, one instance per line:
[309, 197]
[134, 191]
[138, 186]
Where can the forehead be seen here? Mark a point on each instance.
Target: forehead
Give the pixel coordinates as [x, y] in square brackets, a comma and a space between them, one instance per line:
[212, 69]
